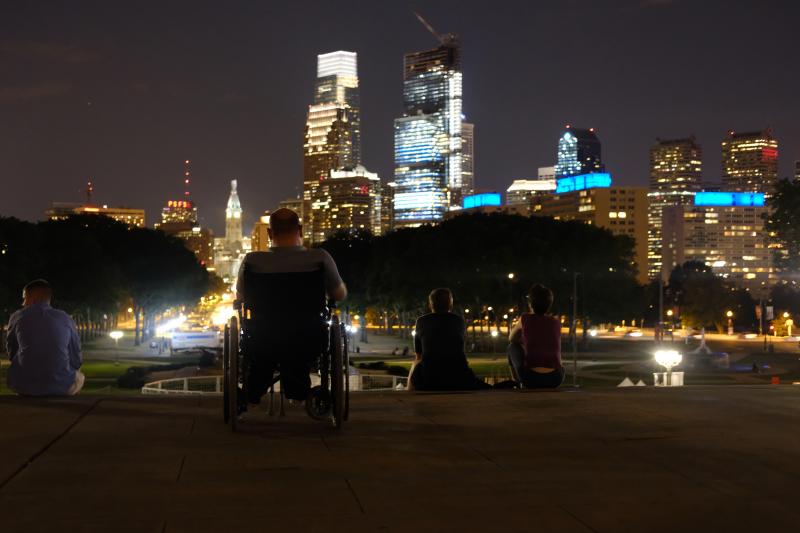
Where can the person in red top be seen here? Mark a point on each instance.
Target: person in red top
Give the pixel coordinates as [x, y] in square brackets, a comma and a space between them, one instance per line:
[534, 350]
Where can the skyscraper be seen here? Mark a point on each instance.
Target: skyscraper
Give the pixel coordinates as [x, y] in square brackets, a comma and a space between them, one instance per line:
[333, 127]
[578, 153]
[675, 176]
[467, 159]
[428, 150]
[233, 216]
[347, 200]
[797, 170]
[750, 161]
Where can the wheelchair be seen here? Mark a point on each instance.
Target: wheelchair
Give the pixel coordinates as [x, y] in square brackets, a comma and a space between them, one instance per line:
[287, 324]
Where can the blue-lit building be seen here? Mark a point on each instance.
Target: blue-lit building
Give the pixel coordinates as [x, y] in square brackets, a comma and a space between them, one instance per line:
[579, 152]
[724, 230]
[428, 142]
[592, 198]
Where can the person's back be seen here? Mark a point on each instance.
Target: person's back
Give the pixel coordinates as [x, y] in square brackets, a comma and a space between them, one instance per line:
[44, 347]
[439, 344]
[534, 350]
[541, 338]
[293, 348]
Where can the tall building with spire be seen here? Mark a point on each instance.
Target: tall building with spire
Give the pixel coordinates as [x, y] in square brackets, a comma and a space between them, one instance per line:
[333, 128]
[676, 175]
[230, 249]
[428, 146]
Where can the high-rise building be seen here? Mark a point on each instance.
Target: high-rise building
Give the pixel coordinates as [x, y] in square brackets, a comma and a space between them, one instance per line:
[724, 230]
[387, 207]
[675, 176]
[750, 161]
[526, 196]
[579, 152]
[294, 204]
[260, 236]
[797, 170]
[333, 127]
[347, 200]
[179, 219]
[467, 159]
[428, 148]
[591, 198]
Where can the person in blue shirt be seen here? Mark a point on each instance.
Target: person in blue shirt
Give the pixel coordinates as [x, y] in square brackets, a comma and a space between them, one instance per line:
[43, 346]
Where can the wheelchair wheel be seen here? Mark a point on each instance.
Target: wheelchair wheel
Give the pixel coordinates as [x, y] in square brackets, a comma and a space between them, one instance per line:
[226, 408]
[346, 358]
[232, 376]
[338, 374]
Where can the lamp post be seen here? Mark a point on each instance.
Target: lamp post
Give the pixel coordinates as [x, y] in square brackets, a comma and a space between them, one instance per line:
[729, 314]
[789, 323]
[494, 334]
[668, 359]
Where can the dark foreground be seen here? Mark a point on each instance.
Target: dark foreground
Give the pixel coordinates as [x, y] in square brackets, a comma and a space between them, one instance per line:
[692, 459]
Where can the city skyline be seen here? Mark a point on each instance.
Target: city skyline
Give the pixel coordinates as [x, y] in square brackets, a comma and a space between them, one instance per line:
[125, 113]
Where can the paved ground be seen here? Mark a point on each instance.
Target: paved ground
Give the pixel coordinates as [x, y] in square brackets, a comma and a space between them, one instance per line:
[692, 459]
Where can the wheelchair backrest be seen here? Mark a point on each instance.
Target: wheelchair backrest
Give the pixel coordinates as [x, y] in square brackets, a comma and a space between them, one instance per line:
[285, 301]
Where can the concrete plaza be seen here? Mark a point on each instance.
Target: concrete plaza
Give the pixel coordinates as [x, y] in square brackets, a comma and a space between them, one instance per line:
[603, 460]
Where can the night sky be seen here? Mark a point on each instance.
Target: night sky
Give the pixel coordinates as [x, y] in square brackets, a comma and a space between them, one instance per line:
[123, 92]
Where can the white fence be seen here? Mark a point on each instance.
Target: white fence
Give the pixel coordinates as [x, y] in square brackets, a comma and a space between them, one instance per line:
[212, 385]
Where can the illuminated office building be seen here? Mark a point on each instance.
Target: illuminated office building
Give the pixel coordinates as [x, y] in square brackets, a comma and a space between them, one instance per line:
[750, 162]
[349, 200]
[590, 198]
[293, 204]
[467, 159]
[797, 170]
[333, 127]
[675, 176]
[526, 196]
[726, 232]
[387, 207]
[428, 145]
[62, 210]
[259, 239]
[578, 153]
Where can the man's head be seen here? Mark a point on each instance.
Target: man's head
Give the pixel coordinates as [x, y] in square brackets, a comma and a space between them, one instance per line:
[285, 228]
[540, 298]
[37, 291]
[441, 300]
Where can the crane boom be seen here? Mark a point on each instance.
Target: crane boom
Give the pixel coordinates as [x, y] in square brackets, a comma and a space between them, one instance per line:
[429, 27]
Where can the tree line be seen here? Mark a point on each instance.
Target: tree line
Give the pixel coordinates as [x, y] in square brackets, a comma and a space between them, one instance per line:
[97, 266]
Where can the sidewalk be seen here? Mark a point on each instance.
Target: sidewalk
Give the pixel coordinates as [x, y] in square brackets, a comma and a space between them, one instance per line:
[692, 459]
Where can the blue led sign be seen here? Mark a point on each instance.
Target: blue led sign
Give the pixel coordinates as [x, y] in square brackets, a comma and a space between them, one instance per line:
[729, 199]
[480, 200]
[583, 181]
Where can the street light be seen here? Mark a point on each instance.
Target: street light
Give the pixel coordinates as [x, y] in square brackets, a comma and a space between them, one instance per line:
[510, 275]
[669, 359]
[729, 314]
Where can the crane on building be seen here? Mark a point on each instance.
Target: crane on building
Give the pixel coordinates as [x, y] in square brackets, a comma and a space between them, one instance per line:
[447, 39]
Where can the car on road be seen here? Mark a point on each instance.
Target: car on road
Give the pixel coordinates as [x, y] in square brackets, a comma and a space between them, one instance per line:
[195, 340]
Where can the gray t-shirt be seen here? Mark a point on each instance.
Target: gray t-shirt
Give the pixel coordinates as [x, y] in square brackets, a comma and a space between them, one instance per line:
[290, 259]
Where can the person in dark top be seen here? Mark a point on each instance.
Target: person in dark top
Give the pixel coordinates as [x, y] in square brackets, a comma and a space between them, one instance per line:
[439, 344]
[534, 350]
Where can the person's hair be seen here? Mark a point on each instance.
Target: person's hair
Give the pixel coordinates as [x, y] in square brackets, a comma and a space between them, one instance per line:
[441, 300]
[540, 299]
[284, 221]
[39, 285]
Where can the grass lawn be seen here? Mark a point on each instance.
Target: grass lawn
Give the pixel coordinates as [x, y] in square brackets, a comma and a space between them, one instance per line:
[101, 376]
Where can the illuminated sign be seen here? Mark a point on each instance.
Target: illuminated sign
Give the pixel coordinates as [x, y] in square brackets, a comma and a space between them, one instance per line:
[729, 199]
[583, 181]
[480, 200]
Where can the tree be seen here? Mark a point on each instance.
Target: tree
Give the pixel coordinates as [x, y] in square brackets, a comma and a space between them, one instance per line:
[783, 223]
[702, 297]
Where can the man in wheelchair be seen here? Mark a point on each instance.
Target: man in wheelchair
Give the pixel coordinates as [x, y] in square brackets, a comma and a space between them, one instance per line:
[283, 295]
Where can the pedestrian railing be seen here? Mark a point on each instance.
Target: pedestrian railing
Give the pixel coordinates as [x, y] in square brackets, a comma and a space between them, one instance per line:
[212, 385]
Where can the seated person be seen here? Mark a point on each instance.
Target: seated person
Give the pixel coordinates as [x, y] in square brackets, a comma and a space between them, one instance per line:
[295, 355]
[43, 346]
[439, 344]
[534, 352]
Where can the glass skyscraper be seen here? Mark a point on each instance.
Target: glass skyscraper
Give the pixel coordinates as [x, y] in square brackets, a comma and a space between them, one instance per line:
[333, 128]
[578, 153]
[428, 138]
